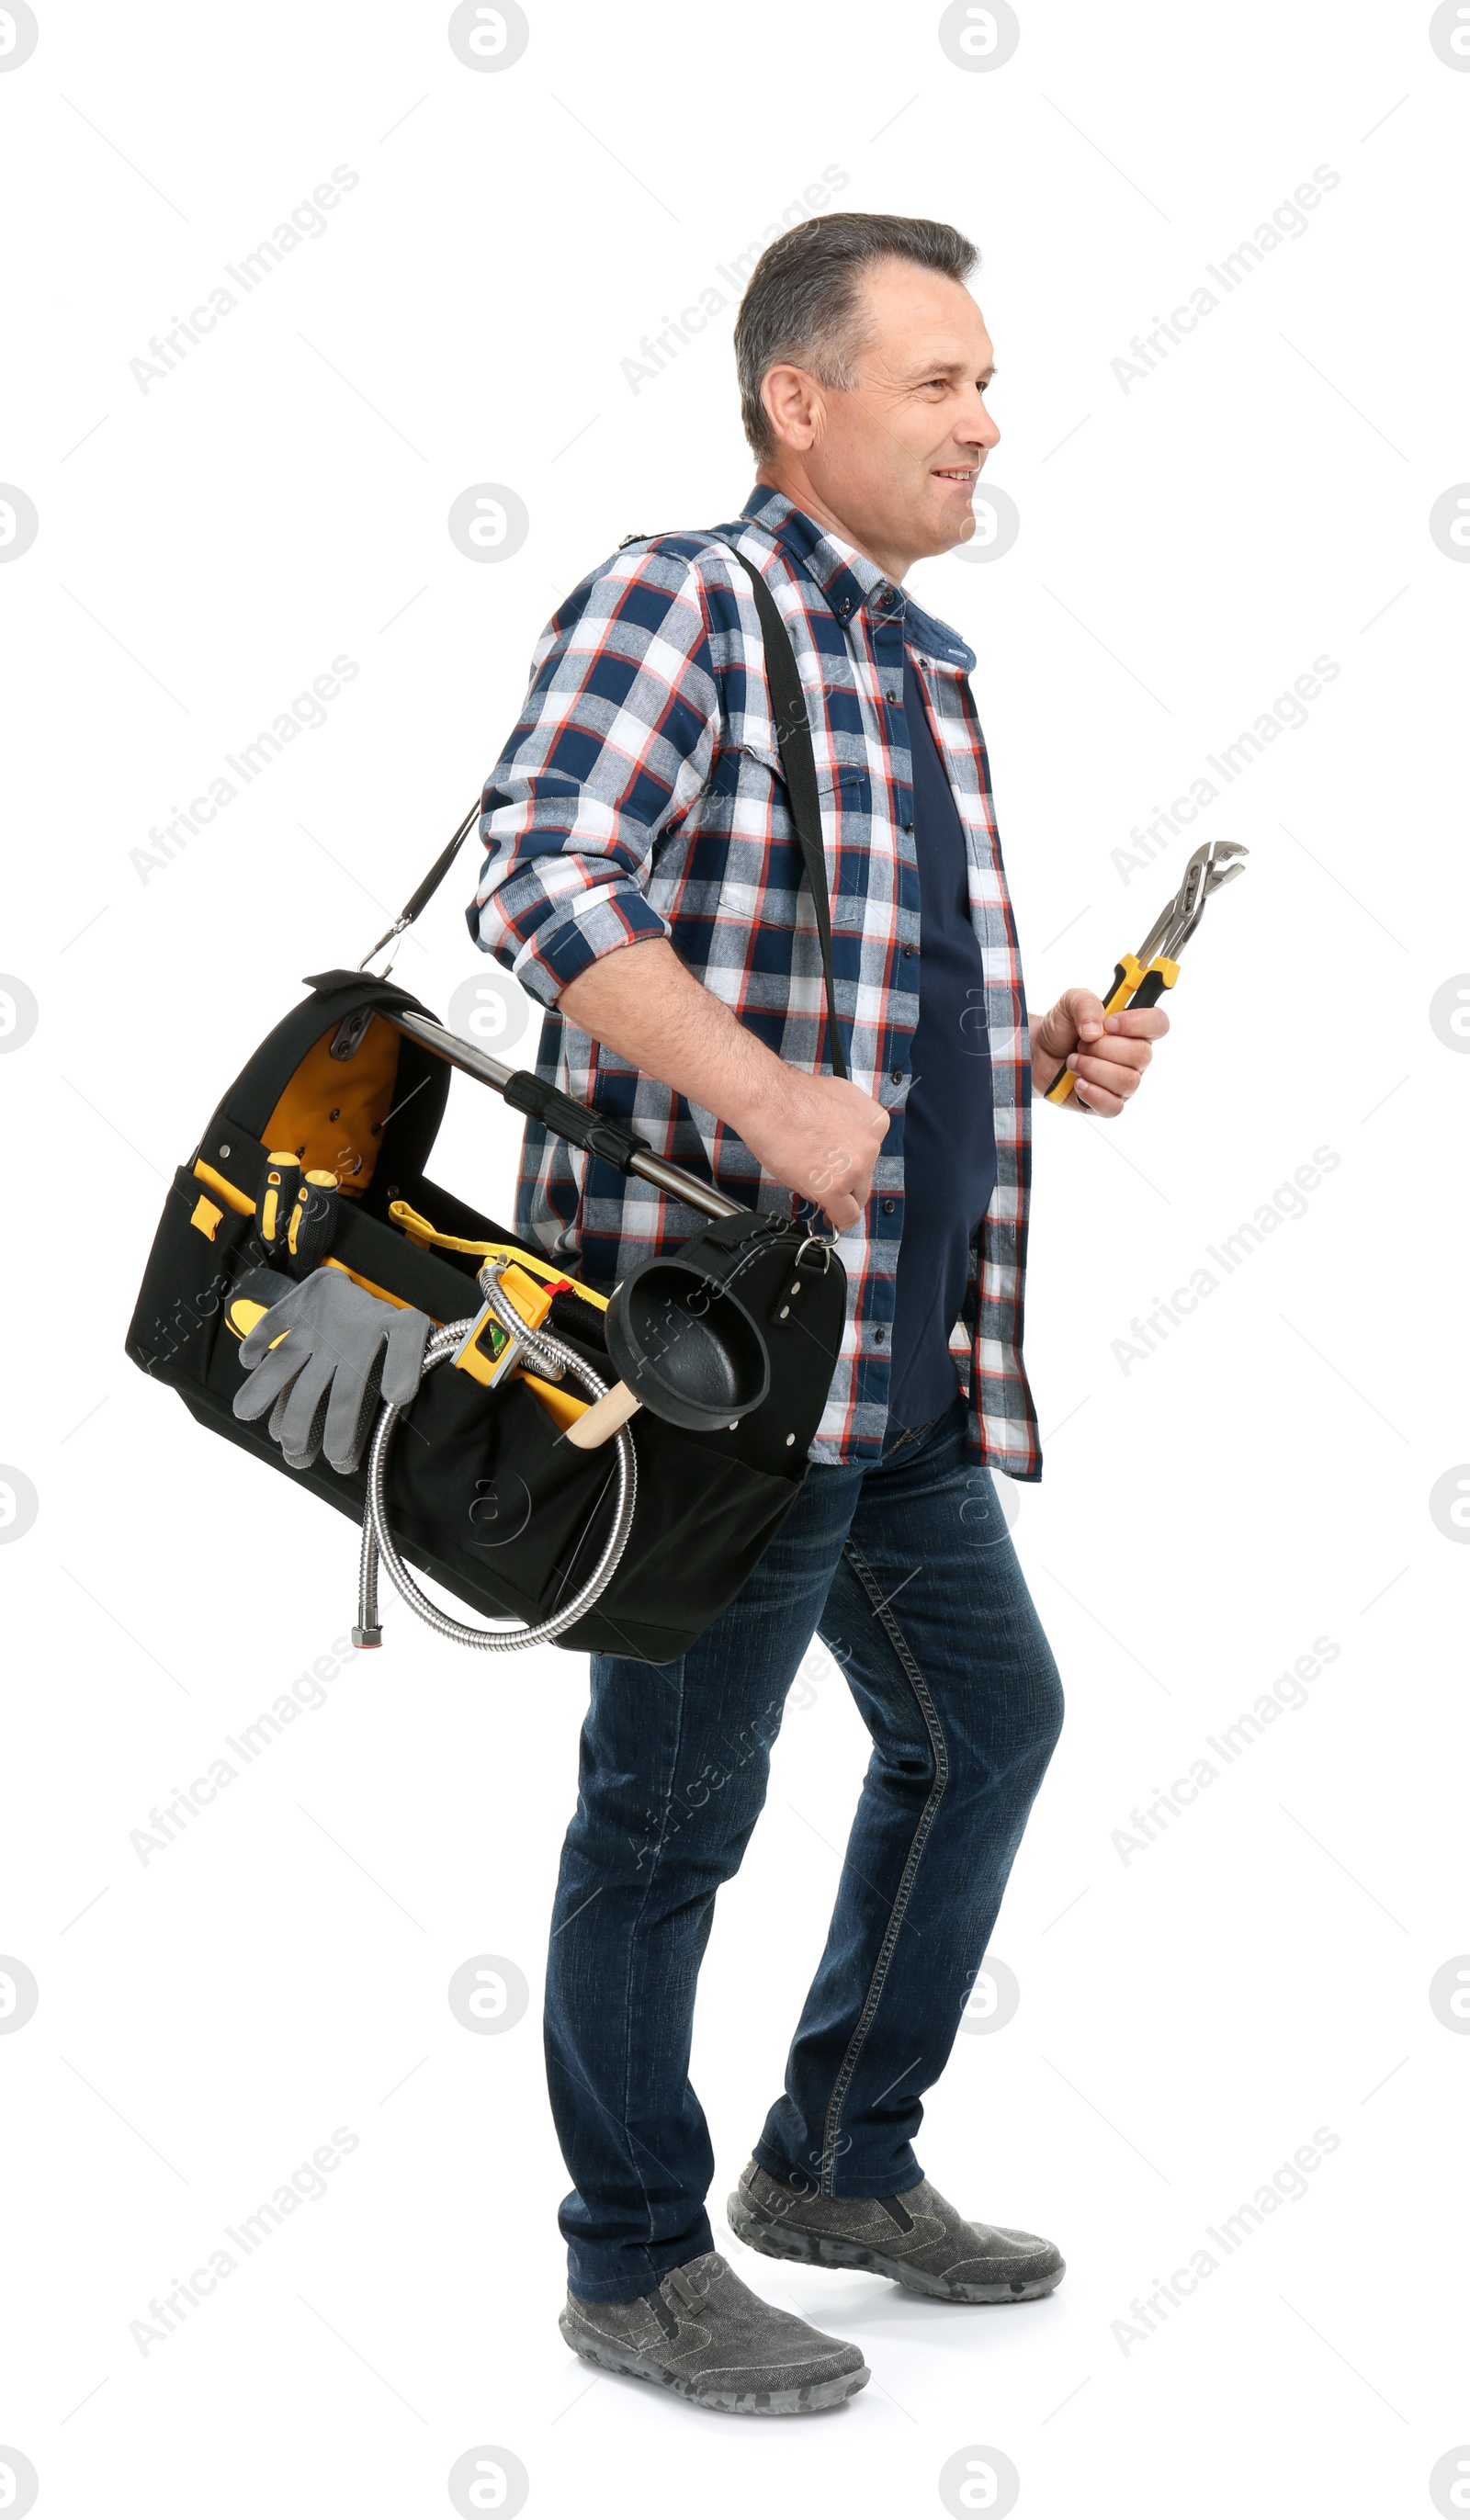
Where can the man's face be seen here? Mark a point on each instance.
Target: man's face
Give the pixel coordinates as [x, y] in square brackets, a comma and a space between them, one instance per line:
[897, 455]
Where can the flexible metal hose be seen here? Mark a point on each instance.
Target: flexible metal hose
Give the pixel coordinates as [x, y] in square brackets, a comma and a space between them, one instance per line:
[550, 1357]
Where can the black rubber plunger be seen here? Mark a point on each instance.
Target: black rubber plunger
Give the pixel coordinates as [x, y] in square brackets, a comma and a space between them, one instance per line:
[685, 1348]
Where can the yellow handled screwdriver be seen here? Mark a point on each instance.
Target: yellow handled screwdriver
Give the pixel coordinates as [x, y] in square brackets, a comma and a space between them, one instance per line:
[275, 1201]
[1140, 979]
[313, 1222]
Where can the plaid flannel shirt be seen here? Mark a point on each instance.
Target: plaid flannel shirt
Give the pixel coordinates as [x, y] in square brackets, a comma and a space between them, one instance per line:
[641, 795]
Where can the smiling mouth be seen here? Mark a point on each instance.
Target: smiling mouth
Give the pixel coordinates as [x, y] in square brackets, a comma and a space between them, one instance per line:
[957, 473]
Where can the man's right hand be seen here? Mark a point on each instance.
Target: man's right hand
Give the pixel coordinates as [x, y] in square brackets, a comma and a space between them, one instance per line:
[821, 1137]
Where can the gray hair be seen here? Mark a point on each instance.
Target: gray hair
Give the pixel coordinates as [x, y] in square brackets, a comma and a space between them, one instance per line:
[802, 302]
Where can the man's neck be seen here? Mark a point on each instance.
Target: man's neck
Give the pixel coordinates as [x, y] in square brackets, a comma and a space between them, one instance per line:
[798, 489]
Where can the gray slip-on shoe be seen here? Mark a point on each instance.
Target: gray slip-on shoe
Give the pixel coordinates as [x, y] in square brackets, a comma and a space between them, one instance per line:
[708, 2337]
[916, 2240]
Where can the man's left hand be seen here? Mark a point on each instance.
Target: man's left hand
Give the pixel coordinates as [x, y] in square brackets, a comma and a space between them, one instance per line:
[1106, 1054]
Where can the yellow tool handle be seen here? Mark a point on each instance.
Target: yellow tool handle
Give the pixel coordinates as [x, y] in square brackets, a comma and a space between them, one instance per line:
[1126, 976]
[428, 1238]
[313, 1222]
[274, 1203]
[1160, 976]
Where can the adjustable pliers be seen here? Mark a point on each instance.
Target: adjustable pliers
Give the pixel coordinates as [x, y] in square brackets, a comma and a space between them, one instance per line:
[1140, 979]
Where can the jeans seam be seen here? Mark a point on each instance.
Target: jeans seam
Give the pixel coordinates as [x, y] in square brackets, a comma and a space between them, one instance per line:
[927, 1818]
[633, 1942]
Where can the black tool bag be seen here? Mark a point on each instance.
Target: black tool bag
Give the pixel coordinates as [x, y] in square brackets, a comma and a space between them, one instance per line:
[482, 1495]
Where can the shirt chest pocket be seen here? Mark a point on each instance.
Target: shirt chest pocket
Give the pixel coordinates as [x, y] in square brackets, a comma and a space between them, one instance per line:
[745, 832]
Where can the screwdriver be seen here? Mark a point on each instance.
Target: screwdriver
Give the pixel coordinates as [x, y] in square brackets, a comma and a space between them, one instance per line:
[275, 1203]
[312, 1223]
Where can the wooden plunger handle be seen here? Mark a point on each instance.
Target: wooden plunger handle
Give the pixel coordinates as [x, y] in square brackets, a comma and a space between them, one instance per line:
[603, 1418]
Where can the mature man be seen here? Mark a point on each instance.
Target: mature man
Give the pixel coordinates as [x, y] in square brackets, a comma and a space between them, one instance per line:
[644, 882]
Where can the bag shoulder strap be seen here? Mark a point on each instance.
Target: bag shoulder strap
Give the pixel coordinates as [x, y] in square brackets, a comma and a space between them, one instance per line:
[420, 900]
[793, 737]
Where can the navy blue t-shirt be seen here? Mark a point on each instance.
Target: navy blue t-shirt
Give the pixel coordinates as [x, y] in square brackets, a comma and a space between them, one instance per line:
[948, 1117]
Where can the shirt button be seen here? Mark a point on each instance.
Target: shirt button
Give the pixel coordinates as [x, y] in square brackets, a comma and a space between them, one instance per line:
[907, 827]
[889, 1204]
[897, 1075]
[878, 1338]
[845, 606]
[892, 699]
[909, 949]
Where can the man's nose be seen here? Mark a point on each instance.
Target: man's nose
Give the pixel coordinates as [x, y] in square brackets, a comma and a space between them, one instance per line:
[978, 428]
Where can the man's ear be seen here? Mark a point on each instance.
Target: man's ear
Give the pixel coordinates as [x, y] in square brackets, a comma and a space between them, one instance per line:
[795, 407]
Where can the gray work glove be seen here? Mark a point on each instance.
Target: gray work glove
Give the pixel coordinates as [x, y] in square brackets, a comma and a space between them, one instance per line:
[343, 1350]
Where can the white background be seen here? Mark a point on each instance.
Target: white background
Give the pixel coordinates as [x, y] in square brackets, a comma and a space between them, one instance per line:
[1187, 2019]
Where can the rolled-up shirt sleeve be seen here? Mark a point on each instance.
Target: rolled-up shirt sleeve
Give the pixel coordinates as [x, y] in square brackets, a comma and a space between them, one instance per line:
[614, 742]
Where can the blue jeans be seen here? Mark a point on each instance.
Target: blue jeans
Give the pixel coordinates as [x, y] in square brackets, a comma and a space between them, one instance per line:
[905, 1571]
